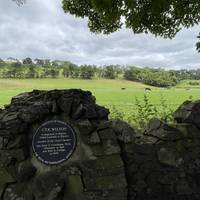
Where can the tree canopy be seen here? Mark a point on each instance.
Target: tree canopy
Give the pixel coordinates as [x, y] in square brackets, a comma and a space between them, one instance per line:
[160, 17]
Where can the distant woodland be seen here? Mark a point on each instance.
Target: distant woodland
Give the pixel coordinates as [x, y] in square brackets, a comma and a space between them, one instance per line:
[40, 68]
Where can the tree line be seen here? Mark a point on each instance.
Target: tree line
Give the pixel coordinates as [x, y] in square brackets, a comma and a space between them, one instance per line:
[44, 68]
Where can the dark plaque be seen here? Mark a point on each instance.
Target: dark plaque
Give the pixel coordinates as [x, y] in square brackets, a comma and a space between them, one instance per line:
[54, 142]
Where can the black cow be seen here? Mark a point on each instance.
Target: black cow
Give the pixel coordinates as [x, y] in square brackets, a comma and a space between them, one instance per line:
[147, 89]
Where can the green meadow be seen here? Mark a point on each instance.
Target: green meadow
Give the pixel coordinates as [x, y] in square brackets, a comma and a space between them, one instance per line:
[108, 93]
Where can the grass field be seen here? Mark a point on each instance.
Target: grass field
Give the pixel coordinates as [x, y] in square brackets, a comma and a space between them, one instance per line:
[107, 92]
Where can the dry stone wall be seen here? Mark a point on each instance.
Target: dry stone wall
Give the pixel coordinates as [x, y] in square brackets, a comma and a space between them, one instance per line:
[109, 160]
[95, 170]
[164, 163]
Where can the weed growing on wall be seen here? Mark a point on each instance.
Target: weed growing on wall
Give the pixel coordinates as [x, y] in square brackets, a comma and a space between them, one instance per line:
[143, 111]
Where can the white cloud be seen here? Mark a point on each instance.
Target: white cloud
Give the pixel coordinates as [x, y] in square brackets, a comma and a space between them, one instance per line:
[41, 29]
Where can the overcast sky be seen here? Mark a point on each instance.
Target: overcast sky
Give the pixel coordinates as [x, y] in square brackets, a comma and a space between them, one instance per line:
[40, 29]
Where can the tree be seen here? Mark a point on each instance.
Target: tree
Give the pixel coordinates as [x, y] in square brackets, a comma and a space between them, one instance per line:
[73, 70]
[109, 72]
[32, 72]
[150, 76]
[65, 72]
[27, 61]
[39, 62]
[133, 74]
[54, 63]
[47, 62]
[16, 64]
[2, 63]
[86, 72]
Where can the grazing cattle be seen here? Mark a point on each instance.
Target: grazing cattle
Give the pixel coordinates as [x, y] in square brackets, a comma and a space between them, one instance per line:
[123, 88]
[147, 89]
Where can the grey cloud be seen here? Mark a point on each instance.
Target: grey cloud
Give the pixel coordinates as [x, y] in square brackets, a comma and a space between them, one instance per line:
[41, 29]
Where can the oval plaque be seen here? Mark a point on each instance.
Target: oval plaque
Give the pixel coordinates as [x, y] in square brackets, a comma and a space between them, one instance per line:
[54, 142]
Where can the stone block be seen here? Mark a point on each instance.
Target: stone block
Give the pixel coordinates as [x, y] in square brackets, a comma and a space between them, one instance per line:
[18, 192]
[74, 188]
[5, 178]
[79, 112]
[124, 132]
[48, 185]
[163, 131]
[16, 143]
[10, 116]
[90, 112]
[108, 162]
[106, 134]
[65, 104]
[106, 147]
[188, 112]
[94, 138]
[85, 127]
[19, 154]
[25, 171]
[102, 112]
[105, 182]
